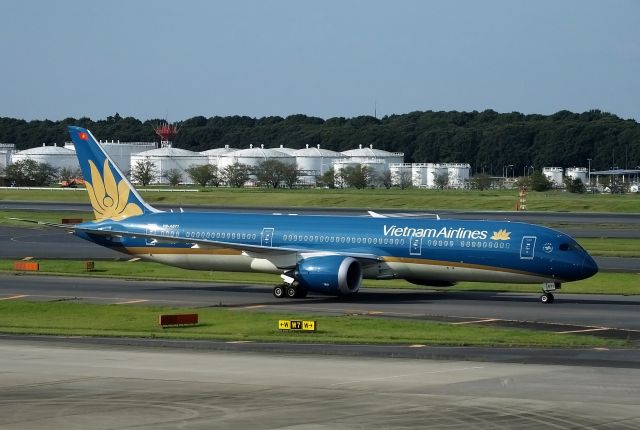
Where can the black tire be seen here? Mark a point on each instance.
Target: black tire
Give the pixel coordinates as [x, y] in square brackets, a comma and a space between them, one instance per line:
[279, 291]
[546, 298]
[302, 293]
[551, 297]
[292, 292]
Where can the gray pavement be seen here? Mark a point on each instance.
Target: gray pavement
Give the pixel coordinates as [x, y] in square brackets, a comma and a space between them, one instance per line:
[66, 385]
[569, 312]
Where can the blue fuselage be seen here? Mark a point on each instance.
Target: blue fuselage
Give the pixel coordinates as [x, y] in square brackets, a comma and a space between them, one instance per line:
[420, 250]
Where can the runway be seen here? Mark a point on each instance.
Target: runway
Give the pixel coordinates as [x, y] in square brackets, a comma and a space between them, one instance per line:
[74, 386]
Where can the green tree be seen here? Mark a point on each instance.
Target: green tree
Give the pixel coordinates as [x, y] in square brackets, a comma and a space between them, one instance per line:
[30, 173]
[173, 176]
[356, 176]
[144, 172]
[574, 185]
[270, 172]
[327, 179]
[539, 182]
[236, 175]
[384, 179]
[204, 174]
[481, 181]
[290, 175]
[441, 181]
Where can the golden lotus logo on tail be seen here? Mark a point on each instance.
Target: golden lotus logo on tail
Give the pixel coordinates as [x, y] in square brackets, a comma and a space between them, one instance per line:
[501, 235]
[110, 200]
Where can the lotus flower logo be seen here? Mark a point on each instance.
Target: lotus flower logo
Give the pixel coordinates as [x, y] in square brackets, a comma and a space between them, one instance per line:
[108, 198]
[501, 235]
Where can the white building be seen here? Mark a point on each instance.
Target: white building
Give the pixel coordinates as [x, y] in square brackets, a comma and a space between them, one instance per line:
[458, 174]
[401, 172]
[553, 174]
[55, 156]
[168, 158]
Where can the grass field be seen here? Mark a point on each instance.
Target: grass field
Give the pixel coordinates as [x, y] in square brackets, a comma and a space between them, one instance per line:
[74, 319]
[602, 283]
[419, 199]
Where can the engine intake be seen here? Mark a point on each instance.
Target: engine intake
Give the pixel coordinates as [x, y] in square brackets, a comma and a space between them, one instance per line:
[331, 274]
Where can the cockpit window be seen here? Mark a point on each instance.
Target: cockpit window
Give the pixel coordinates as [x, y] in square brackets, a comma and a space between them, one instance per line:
[569, 247]
[564, 247]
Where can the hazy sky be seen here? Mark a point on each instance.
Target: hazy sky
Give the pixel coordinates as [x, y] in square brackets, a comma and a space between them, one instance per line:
[178, 59]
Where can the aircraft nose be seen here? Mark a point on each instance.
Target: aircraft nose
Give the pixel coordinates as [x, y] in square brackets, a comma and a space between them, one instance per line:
[589, 267]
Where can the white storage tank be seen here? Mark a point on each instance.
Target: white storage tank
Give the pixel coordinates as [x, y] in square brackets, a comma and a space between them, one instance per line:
[253, 157]
[288, 151]
[420, 174]
[458, 174]
[435, 170]
[121, 152]
[6, 152]
[578, 173]
[553, 174]
[314, 161]
[215, 154]
[363, 154]
[168, 158]
[55, 156]
[400, 171]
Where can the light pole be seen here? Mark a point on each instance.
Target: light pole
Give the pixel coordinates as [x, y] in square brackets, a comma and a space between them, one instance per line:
[589, 171]
[512, 172]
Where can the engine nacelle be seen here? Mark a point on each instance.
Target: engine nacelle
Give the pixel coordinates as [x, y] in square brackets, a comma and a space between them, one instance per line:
[330, 274]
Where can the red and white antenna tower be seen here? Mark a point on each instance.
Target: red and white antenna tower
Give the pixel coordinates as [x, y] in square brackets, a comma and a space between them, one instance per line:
[166, 132]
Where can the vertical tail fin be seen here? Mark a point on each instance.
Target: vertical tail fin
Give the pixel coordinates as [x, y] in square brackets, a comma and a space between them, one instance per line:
[112, 195]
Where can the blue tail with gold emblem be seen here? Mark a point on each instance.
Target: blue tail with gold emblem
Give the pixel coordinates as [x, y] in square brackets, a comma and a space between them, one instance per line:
[112, 195]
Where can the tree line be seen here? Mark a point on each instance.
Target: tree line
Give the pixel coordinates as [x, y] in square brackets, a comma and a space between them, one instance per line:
[488, 140]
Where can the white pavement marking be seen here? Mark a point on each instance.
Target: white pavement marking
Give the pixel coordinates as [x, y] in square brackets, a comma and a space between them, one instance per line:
[583, 330]
[476, 321]
[130, 302]
[15, 297]
[433, 372]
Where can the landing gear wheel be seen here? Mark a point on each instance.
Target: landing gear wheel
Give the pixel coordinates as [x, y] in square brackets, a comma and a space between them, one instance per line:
[278, 291]
[292, 292]
[302, 293]
[547, 298]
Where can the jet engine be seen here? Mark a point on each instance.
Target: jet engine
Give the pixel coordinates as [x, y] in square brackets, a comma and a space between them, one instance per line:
[330, 274]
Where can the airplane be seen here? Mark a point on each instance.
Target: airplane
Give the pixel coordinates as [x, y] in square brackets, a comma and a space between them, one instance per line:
[322, 254]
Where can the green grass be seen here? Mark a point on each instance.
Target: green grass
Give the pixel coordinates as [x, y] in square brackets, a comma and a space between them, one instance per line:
[366, 199]
[608, 247]
[602, 283]
[54, 217]
[74, 319]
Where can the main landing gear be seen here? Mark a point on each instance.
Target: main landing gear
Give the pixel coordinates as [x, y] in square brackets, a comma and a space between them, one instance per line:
[289, 291]
[289, 288]
[547, 295]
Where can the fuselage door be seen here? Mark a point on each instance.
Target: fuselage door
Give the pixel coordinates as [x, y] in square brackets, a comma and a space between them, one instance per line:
[267, 237]
[415, 245]
[527, 247]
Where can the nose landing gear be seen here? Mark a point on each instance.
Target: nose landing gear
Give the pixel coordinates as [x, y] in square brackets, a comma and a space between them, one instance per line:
[547, 295]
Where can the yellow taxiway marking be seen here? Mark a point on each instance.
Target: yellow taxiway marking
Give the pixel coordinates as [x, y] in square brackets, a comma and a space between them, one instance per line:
[240, 341]
[130, 302]
[583, 330]
[476, 321]
[14, 297]
[417, 345]
[254, 307]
